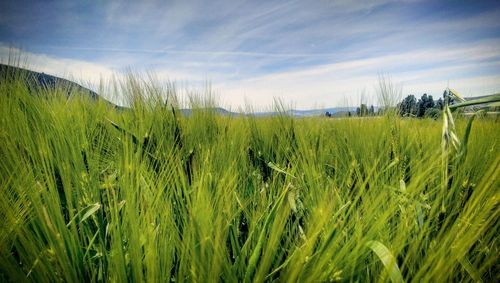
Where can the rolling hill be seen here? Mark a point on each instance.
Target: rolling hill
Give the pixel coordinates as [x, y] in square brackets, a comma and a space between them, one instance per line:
[51, 82]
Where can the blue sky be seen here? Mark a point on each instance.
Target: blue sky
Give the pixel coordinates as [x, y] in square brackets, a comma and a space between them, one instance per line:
[309, 53]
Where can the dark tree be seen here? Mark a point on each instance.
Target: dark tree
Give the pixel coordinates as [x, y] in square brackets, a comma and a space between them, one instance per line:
[408, 106]
[430, 102]
[425, 102]
[439, 104]
[421, 105]
[363, 110]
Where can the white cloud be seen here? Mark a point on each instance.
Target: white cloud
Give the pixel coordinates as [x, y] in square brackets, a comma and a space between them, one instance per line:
[331, 84]
[316, 53]
[63, 67]
[86, 73]
[325, 85]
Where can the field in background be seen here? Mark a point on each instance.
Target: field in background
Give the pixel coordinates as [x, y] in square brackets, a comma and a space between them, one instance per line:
[90, 193]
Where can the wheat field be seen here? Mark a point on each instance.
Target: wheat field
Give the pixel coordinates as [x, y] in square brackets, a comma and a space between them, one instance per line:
[92, 193]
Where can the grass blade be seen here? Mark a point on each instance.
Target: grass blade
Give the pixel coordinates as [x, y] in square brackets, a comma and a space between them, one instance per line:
[387, 260]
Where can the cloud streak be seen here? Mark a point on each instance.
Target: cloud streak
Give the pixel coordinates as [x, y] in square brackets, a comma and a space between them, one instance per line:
[311, 53]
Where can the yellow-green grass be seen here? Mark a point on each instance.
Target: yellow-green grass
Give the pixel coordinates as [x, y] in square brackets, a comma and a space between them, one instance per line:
[89, 193]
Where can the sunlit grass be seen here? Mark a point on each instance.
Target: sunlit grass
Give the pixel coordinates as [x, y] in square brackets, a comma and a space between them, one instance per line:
[90, 193]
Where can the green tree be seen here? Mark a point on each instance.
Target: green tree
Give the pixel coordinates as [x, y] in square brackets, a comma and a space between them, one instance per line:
[408, 106]
[433, 113]
[425, 102]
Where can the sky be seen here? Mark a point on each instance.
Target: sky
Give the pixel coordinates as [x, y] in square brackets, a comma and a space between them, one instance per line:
[310, 54]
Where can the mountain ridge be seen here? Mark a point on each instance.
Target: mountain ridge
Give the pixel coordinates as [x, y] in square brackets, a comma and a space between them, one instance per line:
[51, 82]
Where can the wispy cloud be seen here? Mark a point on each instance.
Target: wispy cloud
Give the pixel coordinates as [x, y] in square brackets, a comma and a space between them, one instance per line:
[309, 52]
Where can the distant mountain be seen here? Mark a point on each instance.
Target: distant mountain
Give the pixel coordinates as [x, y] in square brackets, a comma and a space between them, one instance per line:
[218, 110]
[335, 111]
[49, 82]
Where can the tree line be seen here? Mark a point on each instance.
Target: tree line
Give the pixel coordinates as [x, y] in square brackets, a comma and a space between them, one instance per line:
[410, 106]
[423, 107]
[362, 111]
